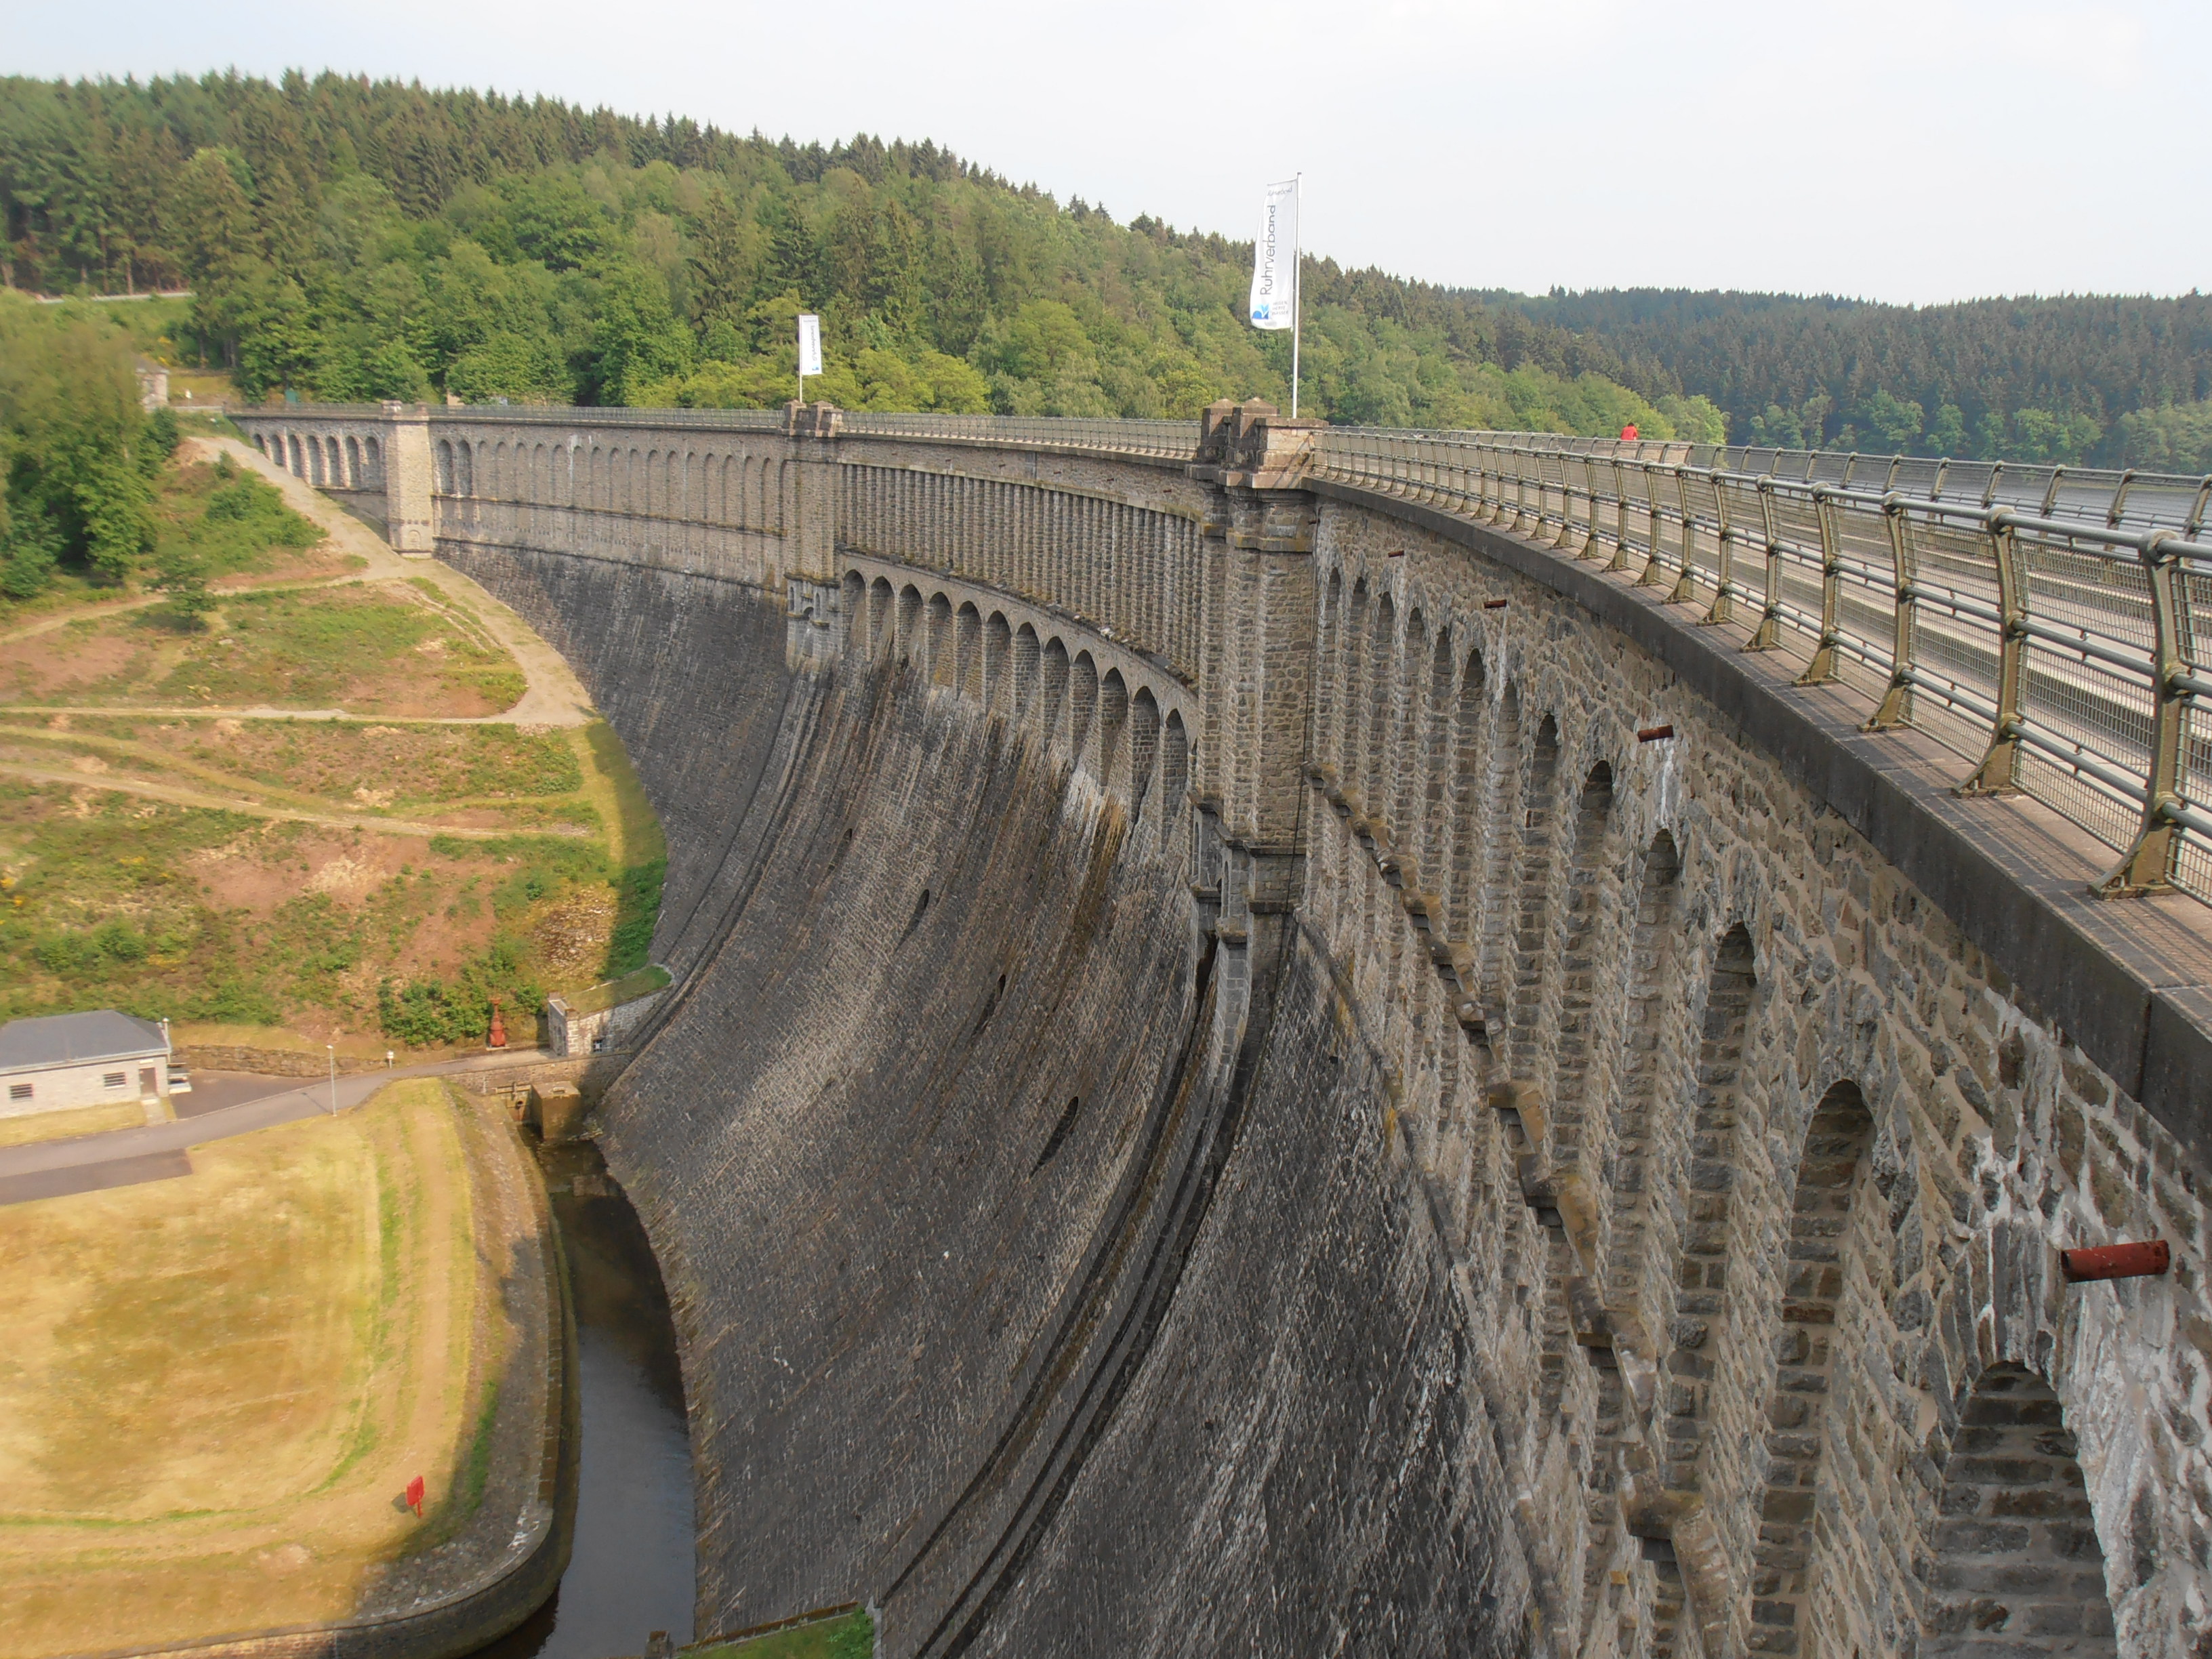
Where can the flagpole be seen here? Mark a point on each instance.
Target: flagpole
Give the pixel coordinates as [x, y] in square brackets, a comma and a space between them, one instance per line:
[1297, 291]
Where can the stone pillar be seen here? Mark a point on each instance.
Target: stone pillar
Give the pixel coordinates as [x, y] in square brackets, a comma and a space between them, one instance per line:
[1261, 666]
[809, 539]
[408, 477]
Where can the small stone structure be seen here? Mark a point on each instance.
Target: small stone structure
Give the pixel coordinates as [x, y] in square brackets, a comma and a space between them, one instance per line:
[597, 1020]
[1257, 1065]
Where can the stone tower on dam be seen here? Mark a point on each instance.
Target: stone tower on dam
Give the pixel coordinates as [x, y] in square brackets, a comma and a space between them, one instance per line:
[1290, 1042]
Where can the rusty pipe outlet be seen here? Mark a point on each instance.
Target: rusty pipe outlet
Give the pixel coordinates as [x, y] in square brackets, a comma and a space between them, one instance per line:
[2144, 1261]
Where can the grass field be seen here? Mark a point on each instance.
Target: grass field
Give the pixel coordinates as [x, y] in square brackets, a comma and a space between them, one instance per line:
[213, 1389]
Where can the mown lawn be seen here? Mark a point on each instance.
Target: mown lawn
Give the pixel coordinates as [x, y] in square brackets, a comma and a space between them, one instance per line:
[214, 1389]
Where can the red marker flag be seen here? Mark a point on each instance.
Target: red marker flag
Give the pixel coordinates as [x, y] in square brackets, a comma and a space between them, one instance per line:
[414, 1496]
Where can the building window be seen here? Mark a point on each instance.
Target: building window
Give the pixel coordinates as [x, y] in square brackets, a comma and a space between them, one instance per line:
[19, 1091]
[116, 1079]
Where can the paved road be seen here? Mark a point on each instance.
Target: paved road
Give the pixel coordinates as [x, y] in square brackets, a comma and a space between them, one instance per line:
[242, 1103]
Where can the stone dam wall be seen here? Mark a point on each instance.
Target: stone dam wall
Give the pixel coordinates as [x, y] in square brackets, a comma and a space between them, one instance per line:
[1227, 1093]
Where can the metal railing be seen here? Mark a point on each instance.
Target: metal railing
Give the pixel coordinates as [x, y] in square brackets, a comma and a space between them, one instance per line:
[2048, 627]
[1165, 439]
[726, 420]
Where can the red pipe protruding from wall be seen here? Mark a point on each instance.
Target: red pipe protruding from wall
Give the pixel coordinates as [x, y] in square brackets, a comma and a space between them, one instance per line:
[1653, 733]
[1493, 604]
[2145, 1261]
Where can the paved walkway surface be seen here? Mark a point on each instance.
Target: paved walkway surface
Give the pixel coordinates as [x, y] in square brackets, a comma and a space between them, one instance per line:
[122, 1158]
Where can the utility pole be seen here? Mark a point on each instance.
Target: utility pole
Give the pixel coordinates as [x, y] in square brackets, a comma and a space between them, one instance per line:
[332, 1049]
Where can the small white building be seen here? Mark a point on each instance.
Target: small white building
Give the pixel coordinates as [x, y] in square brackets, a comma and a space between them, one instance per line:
[58, 1062]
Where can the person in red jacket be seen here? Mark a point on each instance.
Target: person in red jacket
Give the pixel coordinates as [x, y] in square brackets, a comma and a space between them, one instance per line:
[1628, 433]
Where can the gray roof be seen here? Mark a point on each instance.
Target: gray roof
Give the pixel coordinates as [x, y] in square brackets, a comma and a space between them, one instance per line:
[78, 1039]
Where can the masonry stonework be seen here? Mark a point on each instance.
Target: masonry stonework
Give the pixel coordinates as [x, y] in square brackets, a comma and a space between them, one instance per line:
[1253, 1070]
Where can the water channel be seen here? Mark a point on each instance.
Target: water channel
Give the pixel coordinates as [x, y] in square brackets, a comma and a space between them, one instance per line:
[631, 1571]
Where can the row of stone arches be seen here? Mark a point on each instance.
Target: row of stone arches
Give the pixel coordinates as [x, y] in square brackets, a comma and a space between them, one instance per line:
[1618, 1007]
[1136, 571]
[1125, 729]
[327, 460]
[736, 491]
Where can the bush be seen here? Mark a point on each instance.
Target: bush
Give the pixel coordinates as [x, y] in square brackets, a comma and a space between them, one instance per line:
[30, 548]
[112, 943]
[427, 1013]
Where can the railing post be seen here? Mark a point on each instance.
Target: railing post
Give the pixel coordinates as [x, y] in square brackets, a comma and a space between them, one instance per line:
[1651, 570]
[1822, 668]
[1999, 771]
[1686, 582]
[1897, 701]
[1768, 634]
[1619, 560]
[2147, 865]
[1589, 548]
[1723, 605]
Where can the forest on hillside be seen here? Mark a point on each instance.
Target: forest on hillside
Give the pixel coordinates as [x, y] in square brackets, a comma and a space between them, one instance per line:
[348, 239]
[2121, 381]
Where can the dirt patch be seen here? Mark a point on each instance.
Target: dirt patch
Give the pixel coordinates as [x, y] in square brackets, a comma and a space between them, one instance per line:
[45, 667]
[571, 936]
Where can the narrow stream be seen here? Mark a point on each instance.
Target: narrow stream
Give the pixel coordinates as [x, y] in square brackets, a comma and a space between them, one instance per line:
[631, 1571]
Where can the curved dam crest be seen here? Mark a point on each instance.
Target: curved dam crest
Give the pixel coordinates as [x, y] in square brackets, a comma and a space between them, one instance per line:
[1221, 1097]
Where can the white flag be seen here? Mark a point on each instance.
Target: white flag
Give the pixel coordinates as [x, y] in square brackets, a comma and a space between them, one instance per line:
[809, 344]
[1275, 260]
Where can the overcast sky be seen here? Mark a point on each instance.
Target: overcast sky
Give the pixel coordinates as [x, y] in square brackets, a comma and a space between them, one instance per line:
[1927, 150]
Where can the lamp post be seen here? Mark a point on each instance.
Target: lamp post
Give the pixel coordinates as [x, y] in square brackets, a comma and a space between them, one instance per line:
[332, 1049]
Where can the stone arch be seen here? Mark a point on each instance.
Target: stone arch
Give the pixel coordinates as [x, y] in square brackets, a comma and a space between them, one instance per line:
[298, 462]
[1501, 846]
[1082, 705]
[1467, 793]
[316, 474]
[372, 453]
[1433, 842]
[497, 479]
[261, 443]
[1143, 744]
[909, 623]
[353, 462]
[1354, 682]
[1698, 1331]
[1054, 687]
[998, 648]
[465, 469]
[1328, 695]
[1654, 950]
[1382, 685]
[1530, 903]
[967, 648]
[938, 649]
[880, 611]
[855, 587]
[1112, 721]
[1403, 761]
[1026, 668]
[1174, 764]
[445, 467]
[2016, 1568]
[1822, 1253]
[1582, 928]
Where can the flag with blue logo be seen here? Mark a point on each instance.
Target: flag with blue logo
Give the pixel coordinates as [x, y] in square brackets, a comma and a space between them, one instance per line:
[1275, 260]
